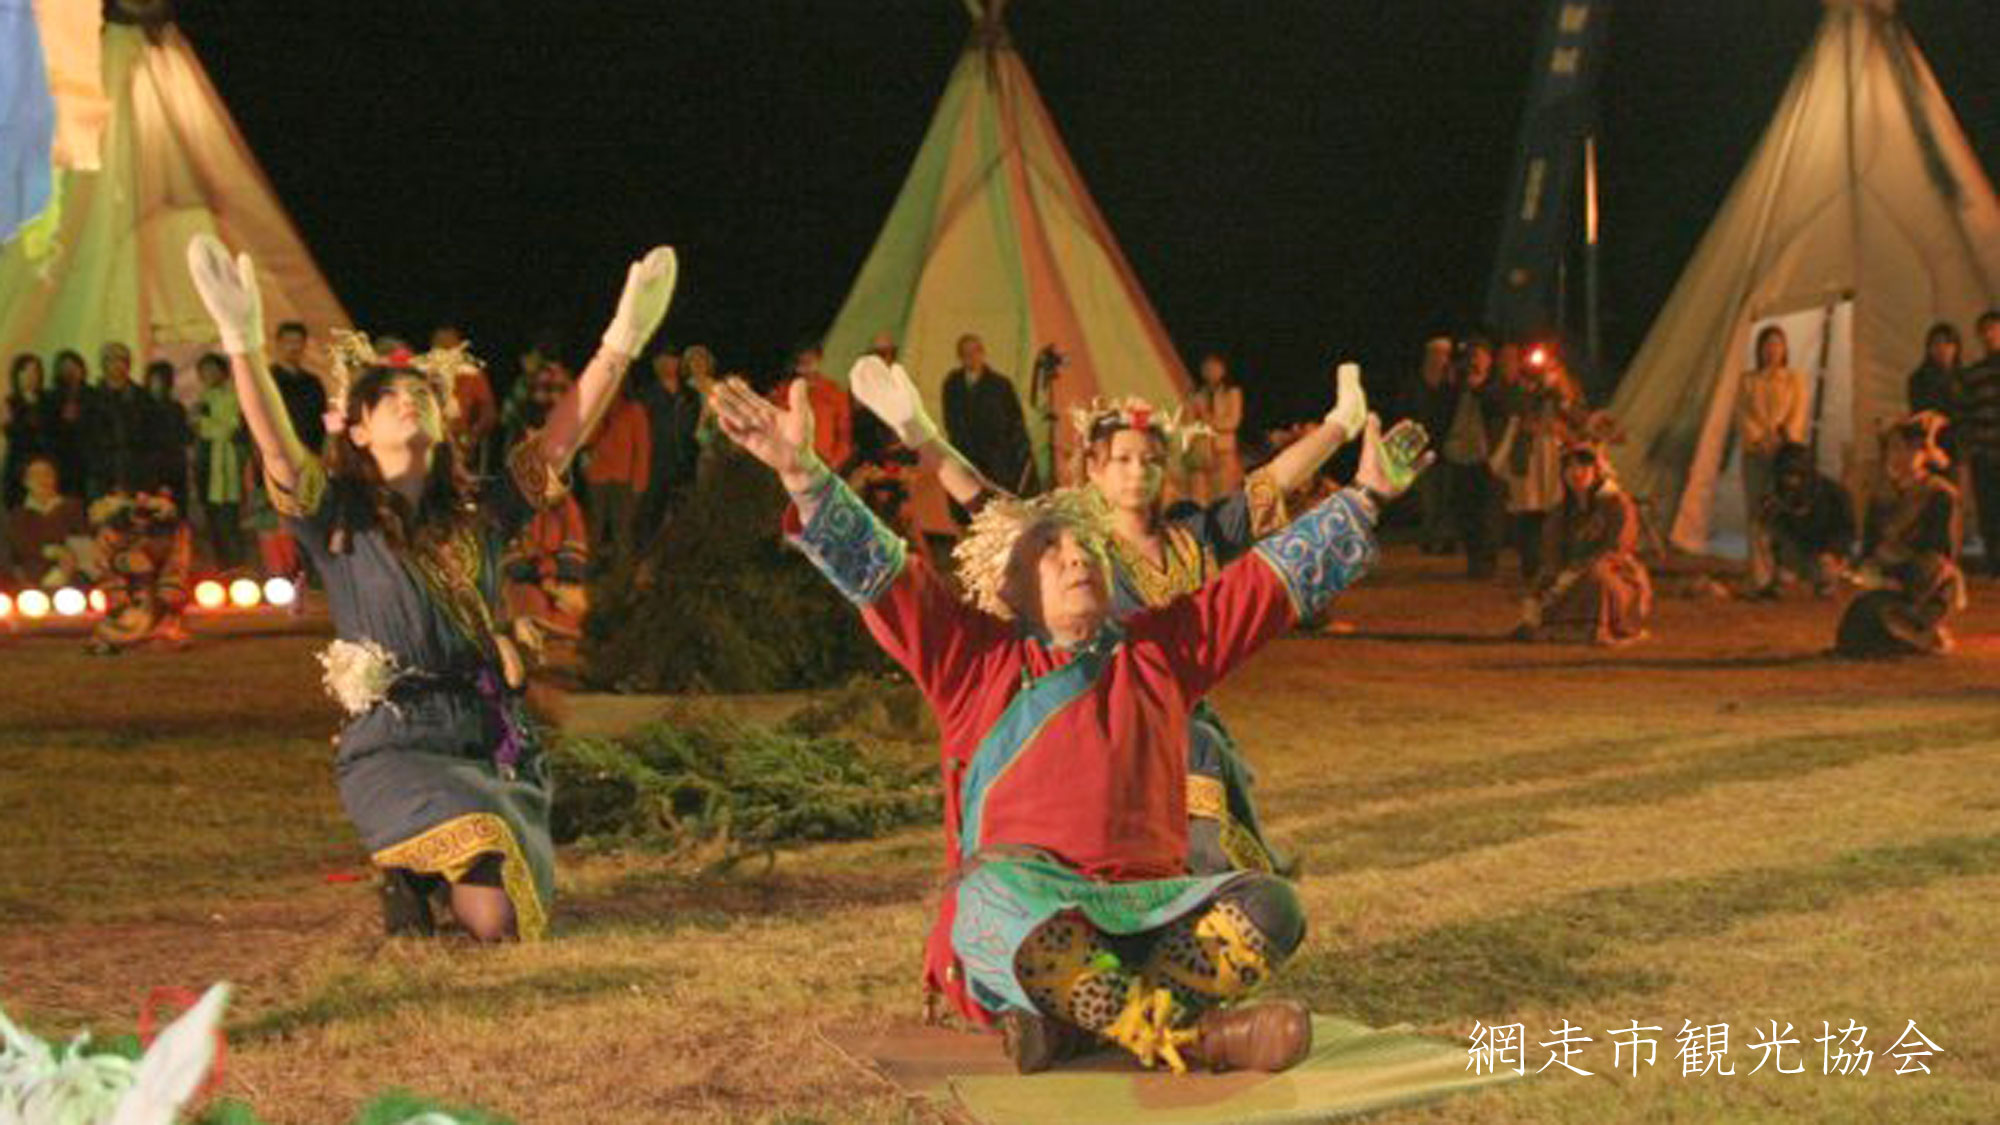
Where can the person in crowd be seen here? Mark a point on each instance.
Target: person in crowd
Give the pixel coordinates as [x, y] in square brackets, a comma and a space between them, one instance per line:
[983, 419]
[168, 437]
[544, 352]
[437, 765]
[478, 414]
[1474, 429]
[1545, 413]
[883, 347]
[1810, 520]
[833, 410]
[1932, 386]
[1070, 913]
[118, 426]
[616, 468]
[1773, 409]
[546, 567]
[27, 422]
[1215, 460]
[1909, 569]
[301, 387]
[1977, 399]
[46, 531]
[1594, 587]
[673, 418]
[145, 554]
[220, 451]
[68, 421]
[1431, 405]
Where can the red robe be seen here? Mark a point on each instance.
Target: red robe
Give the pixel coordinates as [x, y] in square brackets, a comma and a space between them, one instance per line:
[1102, 785]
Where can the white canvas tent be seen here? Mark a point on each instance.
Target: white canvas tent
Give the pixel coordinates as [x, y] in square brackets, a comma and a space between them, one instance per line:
[1862, 218]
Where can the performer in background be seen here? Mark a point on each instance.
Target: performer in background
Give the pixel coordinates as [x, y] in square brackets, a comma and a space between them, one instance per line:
[1594, 588]
[145, 551]
[1065, 752]
[436, 765]
[1157, 554]
[1910, 546]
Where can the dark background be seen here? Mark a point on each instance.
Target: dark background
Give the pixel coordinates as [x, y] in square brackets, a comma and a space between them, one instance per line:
[1291, 179]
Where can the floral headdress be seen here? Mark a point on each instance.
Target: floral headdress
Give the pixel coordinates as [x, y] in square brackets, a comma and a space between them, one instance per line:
[354, 354]
[986, 553]
[1106, 416]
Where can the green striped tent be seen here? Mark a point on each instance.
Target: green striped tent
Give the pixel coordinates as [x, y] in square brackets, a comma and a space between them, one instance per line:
[994, 233]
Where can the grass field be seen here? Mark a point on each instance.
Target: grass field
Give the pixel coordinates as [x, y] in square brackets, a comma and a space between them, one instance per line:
[1717, 826]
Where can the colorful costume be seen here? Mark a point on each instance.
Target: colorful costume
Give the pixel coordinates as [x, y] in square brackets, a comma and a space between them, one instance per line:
[1599, 590]
[545, 568]
[1223, 827]
[1065, 776]
[436, 766]
[1911, 560]
[145, 551]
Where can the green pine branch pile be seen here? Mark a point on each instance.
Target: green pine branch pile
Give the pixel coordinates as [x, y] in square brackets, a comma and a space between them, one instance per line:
[720, 604]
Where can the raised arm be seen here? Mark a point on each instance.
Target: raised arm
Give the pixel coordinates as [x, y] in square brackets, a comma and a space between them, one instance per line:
[1297, 462]
[649, 286]
[228, 289]
[909, 610]
[887, 391]
[1291, 575]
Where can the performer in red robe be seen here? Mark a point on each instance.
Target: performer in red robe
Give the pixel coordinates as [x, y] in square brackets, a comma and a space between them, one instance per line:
[1065, 752]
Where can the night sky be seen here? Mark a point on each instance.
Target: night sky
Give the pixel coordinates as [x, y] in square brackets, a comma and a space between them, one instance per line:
[1291, 179]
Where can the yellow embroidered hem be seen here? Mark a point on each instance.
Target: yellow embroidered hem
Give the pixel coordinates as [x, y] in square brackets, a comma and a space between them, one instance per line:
[306, 493]
[1268, 511]
[451, 848]
[1205, 797]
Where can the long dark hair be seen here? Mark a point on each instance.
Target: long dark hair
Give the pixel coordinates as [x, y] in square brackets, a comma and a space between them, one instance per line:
[21, 363]
[449, 503]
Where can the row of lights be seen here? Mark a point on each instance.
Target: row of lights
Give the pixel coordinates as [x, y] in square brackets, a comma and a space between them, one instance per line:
[243, 593]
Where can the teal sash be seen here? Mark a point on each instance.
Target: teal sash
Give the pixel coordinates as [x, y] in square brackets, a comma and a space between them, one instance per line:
[1021, 723]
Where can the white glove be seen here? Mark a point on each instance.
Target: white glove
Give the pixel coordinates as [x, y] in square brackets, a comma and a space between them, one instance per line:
[889, 394]
[1350, 408]
[649, 287]
[229, 290]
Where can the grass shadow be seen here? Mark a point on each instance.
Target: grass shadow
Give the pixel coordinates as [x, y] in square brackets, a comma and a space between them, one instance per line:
[664, 903]
[1409, 837]
[1540, 957]
[353, 997]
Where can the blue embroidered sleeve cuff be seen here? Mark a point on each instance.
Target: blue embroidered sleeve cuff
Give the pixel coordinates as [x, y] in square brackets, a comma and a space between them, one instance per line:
[1322, 552]
[859, 555]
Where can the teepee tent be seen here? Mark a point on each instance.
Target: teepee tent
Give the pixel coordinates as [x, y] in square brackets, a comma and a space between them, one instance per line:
[1862, 218]
[172, 165]
[994, 233]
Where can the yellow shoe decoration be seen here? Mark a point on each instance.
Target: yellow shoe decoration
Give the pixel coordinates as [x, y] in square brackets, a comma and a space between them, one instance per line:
[1146, 1028]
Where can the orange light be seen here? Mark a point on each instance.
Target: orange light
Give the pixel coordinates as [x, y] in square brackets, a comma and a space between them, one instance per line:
[33, 604]
[280, 591]
[6, 607]
[209, 594]
[1537, 357]
[245, 594]
[98, 602]
[70, 602]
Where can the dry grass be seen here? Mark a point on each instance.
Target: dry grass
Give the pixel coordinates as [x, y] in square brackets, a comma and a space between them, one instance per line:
[1718, 826]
